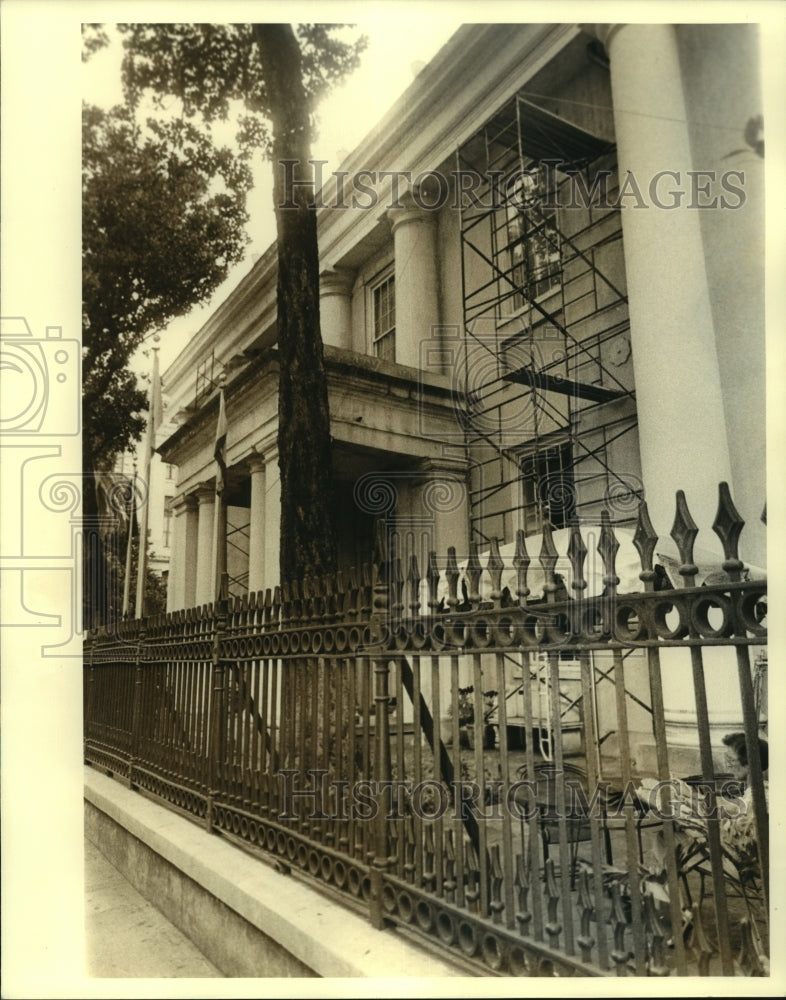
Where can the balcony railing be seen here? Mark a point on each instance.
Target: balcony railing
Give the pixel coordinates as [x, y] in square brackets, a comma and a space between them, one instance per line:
[486, 755]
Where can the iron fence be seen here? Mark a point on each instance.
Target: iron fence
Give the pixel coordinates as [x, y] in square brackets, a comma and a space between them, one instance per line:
[486, 755]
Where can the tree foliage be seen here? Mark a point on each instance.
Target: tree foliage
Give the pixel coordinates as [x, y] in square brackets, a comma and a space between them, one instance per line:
[207, 67]
[163, 219]
[269, 77]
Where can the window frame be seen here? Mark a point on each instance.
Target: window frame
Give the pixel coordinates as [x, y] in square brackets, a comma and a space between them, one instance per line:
[166, 527]
[522, 225]
[533, 488]
[386, 277]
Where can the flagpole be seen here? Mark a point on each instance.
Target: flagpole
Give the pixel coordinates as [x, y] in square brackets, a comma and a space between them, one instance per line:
[131, 514]
[150, 443]
[220, 584]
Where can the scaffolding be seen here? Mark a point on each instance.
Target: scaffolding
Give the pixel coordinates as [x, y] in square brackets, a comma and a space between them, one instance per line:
[550, 421]
[207, 378]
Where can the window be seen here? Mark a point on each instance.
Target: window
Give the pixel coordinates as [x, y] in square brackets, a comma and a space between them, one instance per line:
[170, 472]
[383, 297]
[548, 488]
[532, 247]
[167, 521]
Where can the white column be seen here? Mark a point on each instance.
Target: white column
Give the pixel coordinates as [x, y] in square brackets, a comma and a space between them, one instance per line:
[735, 272]
[256, 525]
[431, 514]
[335, 307]
[417, 283]
[444, 498]
[682, 430]
[272, 533]
[183, 554]
[206, 497]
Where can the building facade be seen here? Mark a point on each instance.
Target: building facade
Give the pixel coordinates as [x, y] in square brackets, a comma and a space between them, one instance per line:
[542, 295]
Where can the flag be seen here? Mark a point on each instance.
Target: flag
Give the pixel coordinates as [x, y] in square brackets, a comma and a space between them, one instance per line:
[220, 449]
[156, 406]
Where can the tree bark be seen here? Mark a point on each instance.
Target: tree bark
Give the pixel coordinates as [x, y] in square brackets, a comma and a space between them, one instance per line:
[308, 542]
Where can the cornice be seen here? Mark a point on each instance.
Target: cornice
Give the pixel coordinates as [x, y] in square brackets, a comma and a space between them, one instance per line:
[478, 69]
[446, 104]
[342, 366]
[242, 308]
[199, 423]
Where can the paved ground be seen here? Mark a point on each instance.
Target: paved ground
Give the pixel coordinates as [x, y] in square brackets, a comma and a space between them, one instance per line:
[127, 937]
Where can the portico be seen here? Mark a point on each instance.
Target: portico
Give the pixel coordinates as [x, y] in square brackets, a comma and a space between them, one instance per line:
[387, 428]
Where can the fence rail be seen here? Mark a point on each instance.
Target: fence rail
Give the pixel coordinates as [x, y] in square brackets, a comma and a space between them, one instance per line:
[491, 769]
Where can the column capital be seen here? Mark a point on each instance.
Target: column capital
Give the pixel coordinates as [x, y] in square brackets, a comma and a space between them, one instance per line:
[205, 493]
[603, 32]
[183, 502]
[442, 463]
[267, 448]
[444, 484]
[336, 281]
[408, 211]
[255, 463]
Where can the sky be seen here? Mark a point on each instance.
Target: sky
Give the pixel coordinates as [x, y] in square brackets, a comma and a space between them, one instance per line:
[397, 48]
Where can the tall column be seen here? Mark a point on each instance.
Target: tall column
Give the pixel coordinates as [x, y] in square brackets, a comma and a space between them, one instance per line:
[431, 514]
[736, 277]
[335, 307]
[206, 497]
[272, 531]
[183, 554]
[256, 525]
[417, 283]
[443, 497]
[682, 430]
[682, 427]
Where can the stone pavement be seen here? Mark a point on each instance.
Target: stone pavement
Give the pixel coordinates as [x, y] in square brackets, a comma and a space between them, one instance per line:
[126, 936]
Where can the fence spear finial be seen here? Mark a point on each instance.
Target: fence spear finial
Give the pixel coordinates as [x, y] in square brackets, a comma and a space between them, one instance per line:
[548, 560]
[432, 577]
[452, 576]
[413, 581]
[577, 553]
[608, 547]
[684, 531]
[521, 561]
[474, 571]
[495, 567]
[645, 538]
[728, 525]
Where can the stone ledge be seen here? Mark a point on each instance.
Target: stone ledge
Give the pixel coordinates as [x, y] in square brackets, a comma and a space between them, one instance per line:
[317, 932]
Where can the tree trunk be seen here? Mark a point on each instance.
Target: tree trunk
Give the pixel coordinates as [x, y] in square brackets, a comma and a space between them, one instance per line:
[308, 542]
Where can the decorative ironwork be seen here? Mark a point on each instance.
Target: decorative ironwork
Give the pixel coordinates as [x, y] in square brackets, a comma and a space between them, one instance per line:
[390, 739]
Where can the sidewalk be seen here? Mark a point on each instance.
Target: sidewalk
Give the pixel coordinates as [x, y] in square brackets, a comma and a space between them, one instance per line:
[126, 936]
